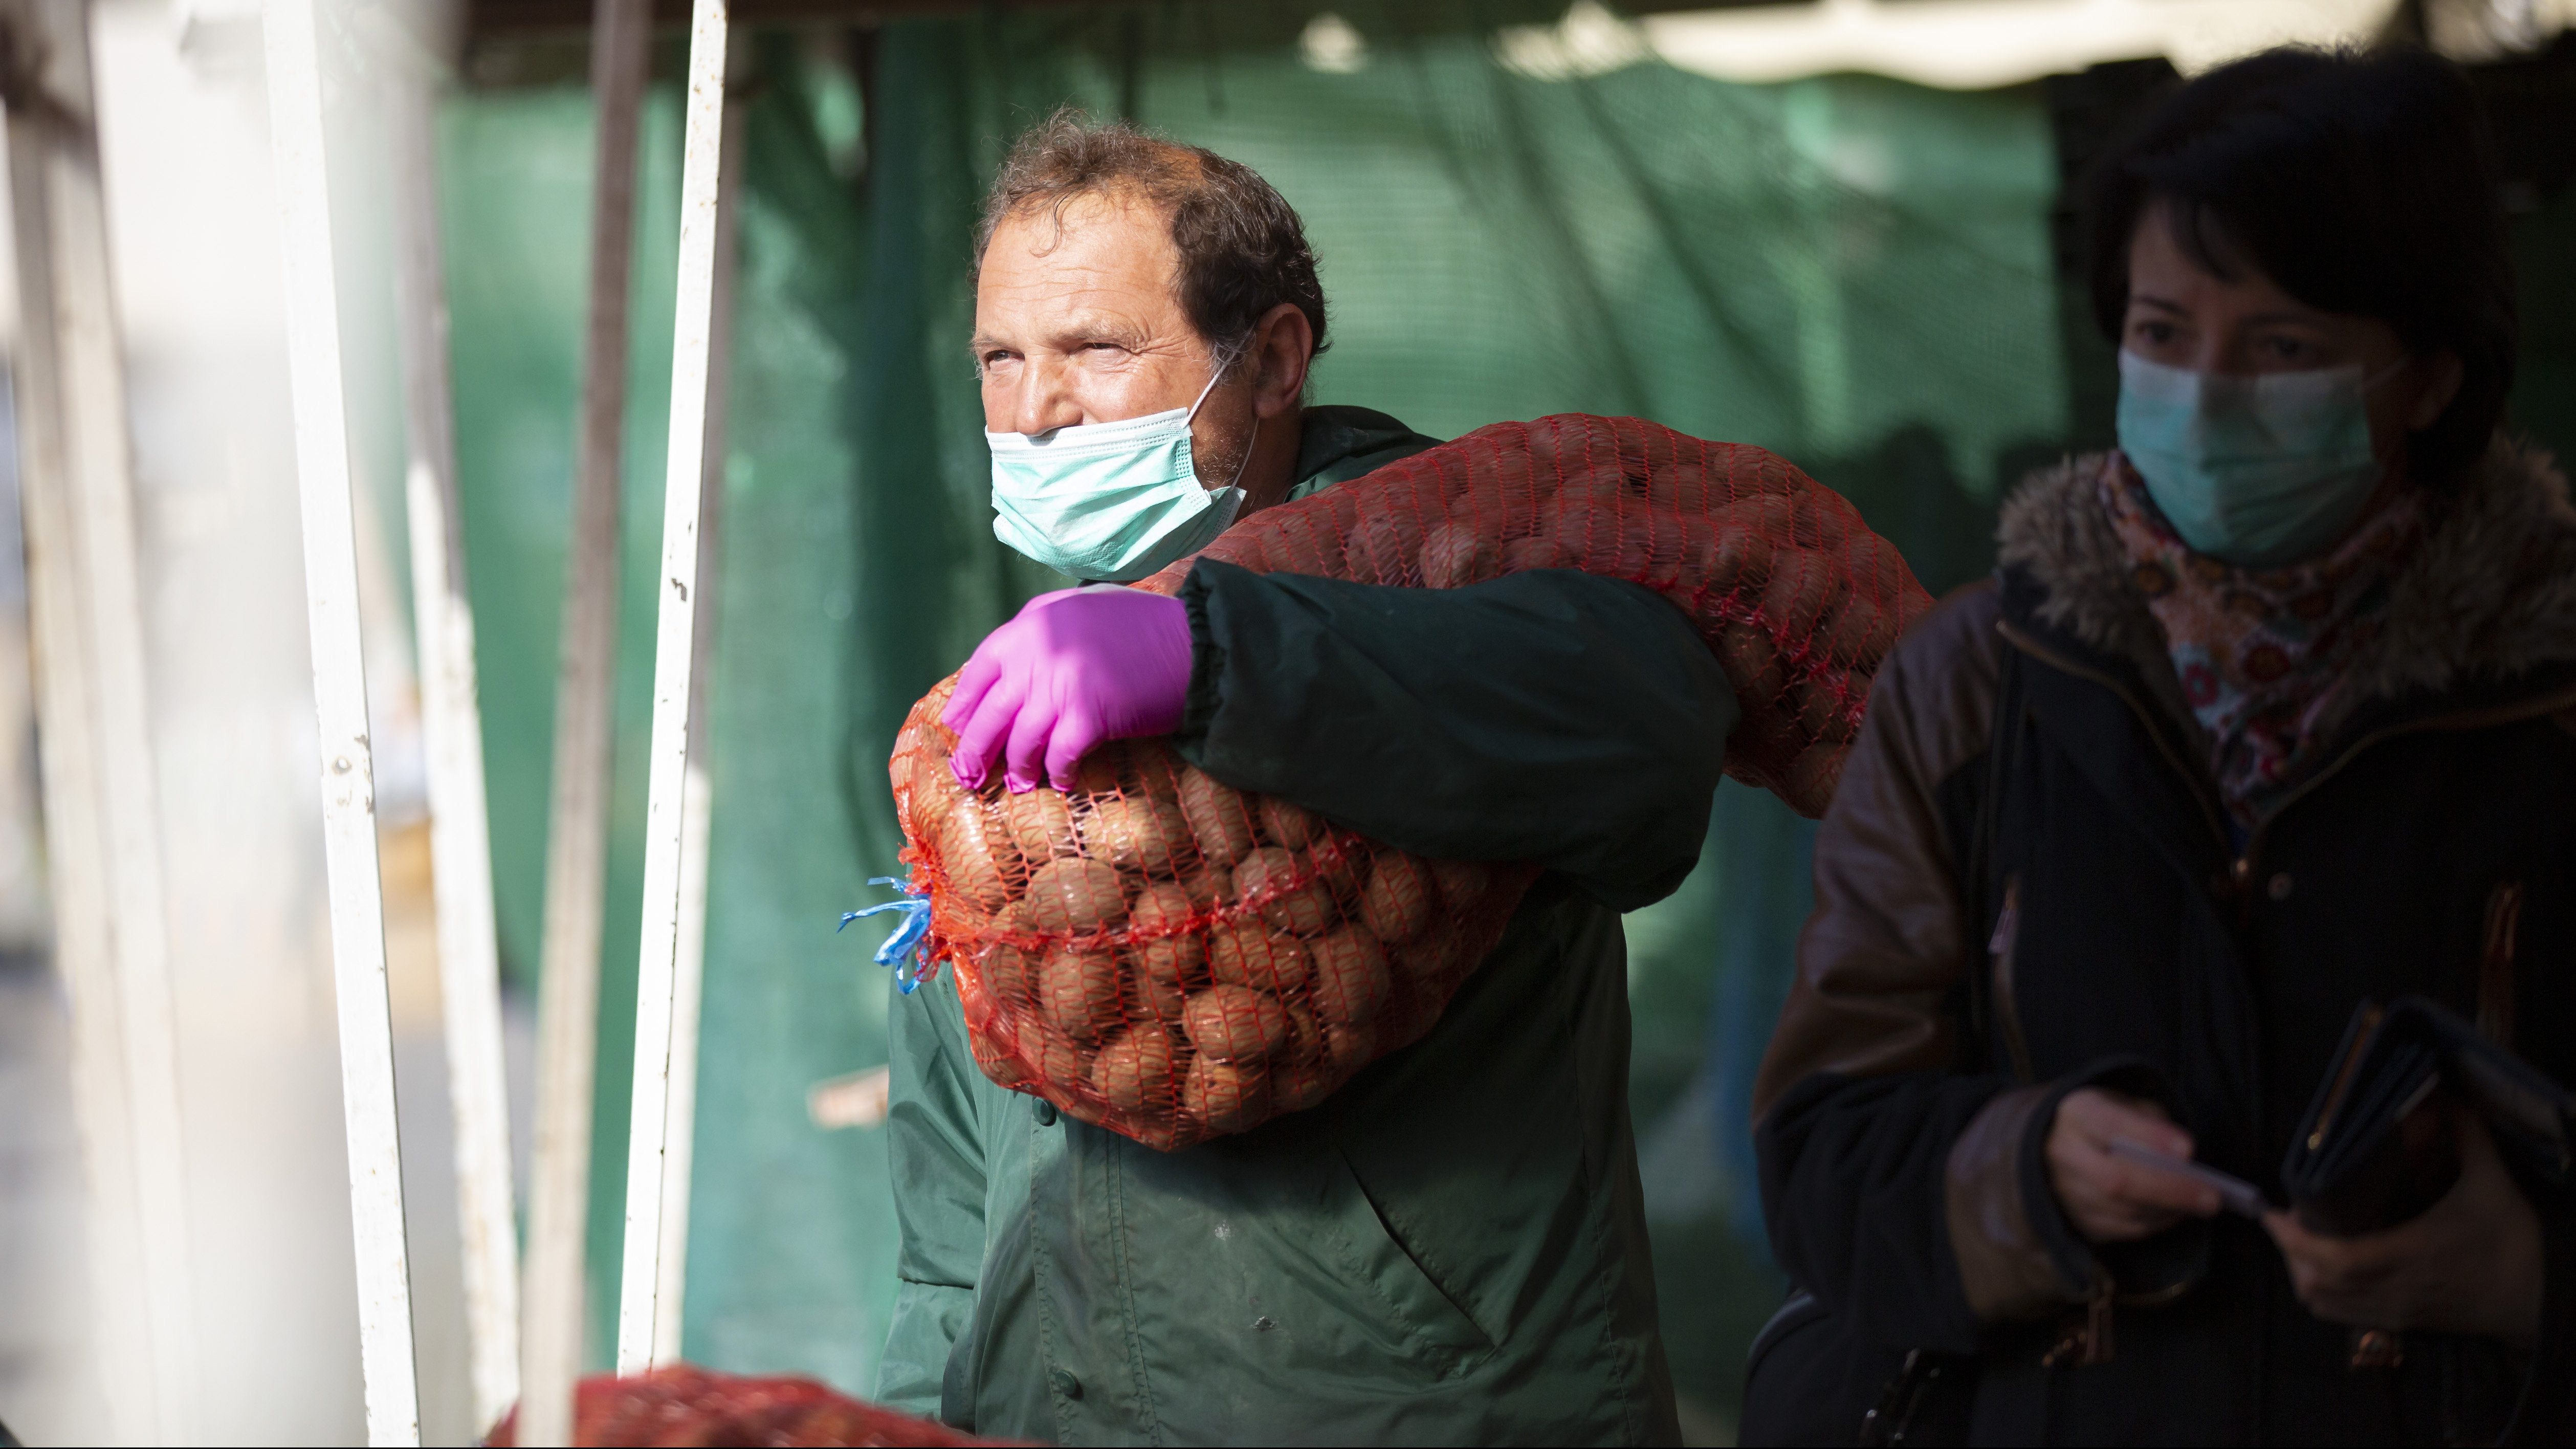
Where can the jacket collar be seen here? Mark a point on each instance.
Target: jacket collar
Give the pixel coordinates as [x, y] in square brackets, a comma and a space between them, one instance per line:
[2484, 612]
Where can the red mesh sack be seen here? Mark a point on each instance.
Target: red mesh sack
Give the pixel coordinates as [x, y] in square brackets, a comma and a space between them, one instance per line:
[686, 1405]
[1166, 957]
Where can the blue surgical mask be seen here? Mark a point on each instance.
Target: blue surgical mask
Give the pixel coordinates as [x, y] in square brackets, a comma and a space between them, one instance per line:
[2254, 471]
[1109, 502]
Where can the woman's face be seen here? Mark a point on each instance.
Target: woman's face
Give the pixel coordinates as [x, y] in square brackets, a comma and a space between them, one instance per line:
[2182, 316]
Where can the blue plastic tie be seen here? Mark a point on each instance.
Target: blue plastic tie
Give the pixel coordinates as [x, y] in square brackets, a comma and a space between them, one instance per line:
[907, 937]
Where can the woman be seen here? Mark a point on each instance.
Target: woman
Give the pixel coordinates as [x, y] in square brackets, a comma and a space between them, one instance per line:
[2270, 712]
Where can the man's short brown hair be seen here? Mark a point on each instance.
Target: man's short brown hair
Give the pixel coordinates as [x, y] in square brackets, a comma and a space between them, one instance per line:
[1243, 250]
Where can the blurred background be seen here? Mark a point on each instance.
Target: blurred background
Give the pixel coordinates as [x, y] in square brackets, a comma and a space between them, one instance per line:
[1836, 229]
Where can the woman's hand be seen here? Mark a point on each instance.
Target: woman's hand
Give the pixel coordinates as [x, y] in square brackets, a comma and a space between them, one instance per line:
[2112, 1199]
[2470, 1264]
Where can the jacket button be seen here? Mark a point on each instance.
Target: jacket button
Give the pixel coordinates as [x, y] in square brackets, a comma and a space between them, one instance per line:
[2278, 888]
[1063, 1383]
[1046, 1114]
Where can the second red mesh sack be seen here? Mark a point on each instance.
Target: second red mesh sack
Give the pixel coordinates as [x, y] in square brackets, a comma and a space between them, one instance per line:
[1158, 954]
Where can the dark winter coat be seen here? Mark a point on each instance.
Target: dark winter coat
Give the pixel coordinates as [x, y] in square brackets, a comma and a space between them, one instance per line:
[2128, 935]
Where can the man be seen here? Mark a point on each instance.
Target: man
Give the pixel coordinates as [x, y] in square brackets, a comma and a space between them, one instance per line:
[1451, 1248]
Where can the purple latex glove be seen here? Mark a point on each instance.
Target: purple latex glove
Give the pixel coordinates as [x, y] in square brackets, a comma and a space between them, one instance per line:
[1074, 668]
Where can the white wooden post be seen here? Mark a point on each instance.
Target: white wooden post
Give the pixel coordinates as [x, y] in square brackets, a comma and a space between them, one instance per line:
[697, 808]
[675, 640]
[469, 972]
[101, 784]
[577, 829]
[340, 703]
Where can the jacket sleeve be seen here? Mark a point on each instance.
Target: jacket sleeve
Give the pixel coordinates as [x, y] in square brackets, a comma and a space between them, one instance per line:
[1552, 717]
[936, 1158]
[1900, 1189]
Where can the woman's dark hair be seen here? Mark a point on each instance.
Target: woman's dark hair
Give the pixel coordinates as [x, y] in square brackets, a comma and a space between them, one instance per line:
[2361, 183]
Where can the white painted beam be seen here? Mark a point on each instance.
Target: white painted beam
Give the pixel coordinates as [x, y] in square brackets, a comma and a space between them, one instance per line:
[296, 130]
[577, 828]
[673, 655]
[469, 972]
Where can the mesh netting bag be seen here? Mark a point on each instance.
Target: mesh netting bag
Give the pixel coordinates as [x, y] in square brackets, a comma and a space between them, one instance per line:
[687, 1405]
[1161, 955]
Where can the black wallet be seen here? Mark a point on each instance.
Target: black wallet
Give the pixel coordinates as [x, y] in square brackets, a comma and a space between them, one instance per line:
[2377, 1147]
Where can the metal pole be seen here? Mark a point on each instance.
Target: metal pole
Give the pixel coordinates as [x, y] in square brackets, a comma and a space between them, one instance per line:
[469, 972]
[675, 641]
[340, 704]
[577, 830]
[697, 805]
[102, 790]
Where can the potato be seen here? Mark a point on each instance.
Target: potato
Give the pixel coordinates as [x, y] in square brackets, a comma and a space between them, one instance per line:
[1341, 861]
[1247, 953]
[1165, 996]
[978, 857]
[1347, 1046]
[1397, 902]
[1053, 1060]
[1076, 895]
[1169, 907]
[1752, 664]
[1799, 595]
[1274, 882]
[1001, 1068]
[932, 792]
[1455, 553]
[1227, 1096]
[1430, 958]
[1007, 973]
[1135, 1070]
[1350, 976]
[1462, 882]
[1040, 822]
[1218, 818]
[1097, 773]
[1808, 784]
[1210, 886]
[1138, 832]
[1305, 1038]
[1290, 825]
[1296, 1086]
[1524, 554]
[1080, 993]
[1236, 1023]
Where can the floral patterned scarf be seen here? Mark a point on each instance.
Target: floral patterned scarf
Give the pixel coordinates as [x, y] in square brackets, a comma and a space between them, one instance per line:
[2261, 652]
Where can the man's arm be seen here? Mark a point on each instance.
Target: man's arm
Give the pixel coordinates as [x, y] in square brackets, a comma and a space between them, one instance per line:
[1553, 717]
[936, 1152]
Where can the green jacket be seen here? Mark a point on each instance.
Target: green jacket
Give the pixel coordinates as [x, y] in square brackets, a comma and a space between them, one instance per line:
[1452, 1249]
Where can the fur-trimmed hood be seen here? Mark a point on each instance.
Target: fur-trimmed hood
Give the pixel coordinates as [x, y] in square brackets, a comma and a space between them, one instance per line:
[2489, 596]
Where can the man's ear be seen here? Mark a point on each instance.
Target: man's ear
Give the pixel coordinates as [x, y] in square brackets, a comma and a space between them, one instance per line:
[1281, 347]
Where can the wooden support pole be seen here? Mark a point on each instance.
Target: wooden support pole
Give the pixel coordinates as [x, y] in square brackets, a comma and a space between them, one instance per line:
[101, 785]
[550, 1343]
[697, 808]
[469, 971]
[673, 655]
[296, 130]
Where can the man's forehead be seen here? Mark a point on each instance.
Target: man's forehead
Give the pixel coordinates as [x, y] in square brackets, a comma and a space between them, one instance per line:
[1095, 257]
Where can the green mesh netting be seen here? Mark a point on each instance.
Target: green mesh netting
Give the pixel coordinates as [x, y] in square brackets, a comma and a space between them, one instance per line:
[1852, 271]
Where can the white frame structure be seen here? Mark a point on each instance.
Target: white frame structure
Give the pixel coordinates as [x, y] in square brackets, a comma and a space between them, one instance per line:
[469, 967]
[102, 815]
[675, 658]
[296, 130]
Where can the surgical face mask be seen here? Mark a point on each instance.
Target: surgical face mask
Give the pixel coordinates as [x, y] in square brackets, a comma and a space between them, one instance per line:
[1109, 502]
[2254, 471]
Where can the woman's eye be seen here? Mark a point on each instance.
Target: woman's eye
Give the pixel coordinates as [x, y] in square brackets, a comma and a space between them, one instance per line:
[2153, 332]
[2289, 349]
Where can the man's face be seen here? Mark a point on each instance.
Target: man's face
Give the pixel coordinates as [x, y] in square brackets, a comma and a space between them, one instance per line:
[1077, 321]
